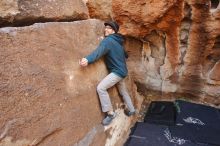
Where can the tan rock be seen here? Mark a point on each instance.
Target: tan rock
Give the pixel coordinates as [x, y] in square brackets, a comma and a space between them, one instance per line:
[215, 72]
[41, 81]
[50, 98]
[8, 8]
[24, 11]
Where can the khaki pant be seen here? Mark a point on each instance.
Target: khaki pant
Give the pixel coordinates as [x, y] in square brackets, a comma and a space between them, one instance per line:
[109, 81]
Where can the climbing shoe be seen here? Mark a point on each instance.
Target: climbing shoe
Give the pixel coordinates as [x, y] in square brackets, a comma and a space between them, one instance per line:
[129, 113]
[108, 119]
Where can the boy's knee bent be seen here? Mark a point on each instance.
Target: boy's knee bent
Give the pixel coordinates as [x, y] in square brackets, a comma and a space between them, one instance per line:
[100, 89]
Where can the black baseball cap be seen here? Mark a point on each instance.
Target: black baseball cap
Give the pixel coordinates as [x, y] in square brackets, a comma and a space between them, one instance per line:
[113, 25]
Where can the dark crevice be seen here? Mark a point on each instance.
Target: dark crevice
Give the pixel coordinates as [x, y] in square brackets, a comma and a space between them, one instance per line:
[213, 57]
[217, 43]
[187, 11]
[214, 4]
[145, 90]
[30, 21]
[141, 88]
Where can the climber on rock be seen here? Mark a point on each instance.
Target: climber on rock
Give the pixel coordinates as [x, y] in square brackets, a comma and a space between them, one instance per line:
[111, 47]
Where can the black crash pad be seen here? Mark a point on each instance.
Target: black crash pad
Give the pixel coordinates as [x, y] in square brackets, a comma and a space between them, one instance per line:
[202, 115]
[161, 112]
[196, 122]
[145, 134]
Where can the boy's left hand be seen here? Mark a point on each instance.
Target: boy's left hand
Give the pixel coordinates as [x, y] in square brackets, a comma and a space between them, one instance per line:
[83, 62]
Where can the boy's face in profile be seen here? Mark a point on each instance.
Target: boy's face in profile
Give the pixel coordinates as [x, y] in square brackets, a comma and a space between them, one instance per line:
[108, 30]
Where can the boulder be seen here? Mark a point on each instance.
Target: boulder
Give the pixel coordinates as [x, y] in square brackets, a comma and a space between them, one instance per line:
[46, 97]
[24, 12]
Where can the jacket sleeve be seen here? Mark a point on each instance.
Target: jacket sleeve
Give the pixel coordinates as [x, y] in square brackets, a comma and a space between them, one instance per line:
[98, 52]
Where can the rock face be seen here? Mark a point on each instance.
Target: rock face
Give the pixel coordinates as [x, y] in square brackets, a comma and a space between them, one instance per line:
[46, 97]
[180, 44]
[100, 9]
[23, 12]
[41, 82]
[200, 57]
[137, 18]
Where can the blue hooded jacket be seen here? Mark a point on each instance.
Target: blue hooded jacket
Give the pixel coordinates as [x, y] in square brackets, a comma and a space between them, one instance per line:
[115, 57]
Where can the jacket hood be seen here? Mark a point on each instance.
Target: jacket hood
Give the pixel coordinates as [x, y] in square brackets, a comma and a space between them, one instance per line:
[118, 37]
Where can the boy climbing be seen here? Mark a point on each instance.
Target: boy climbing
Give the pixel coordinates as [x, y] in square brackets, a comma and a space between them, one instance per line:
[111, 47]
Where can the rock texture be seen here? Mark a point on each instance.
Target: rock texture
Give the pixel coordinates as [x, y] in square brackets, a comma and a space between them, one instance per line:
[137, 18]
[23, 12]
[46, 97]
[179, 42]
[200, 58]
[100, 9]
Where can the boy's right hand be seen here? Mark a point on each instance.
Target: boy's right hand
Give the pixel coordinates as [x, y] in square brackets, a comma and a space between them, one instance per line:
[83, 62]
